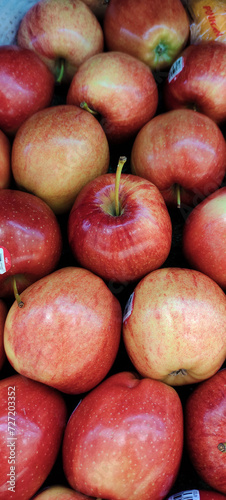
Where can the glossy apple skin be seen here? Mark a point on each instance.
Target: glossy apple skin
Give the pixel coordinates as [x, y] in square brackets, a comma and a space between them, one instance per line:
[204, 237]
[77, 323]
[120, 88]
[60, 493]
[3, 314]
[30, 232]
[66, 30]
[201, 82]
[205, 421]
[197, 495]
[39, 417]
[5, 161]
[26, 86]
[120, 248]
[152, 34]
[56, 152]
[166, 326]
[124, 440]
[181, 147]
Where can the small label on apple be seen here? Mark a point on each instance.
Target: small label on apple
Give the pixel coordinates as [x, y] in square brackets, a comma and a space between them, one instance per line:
[176, 68]
[129, 307]
[186, 495]
[5, 260]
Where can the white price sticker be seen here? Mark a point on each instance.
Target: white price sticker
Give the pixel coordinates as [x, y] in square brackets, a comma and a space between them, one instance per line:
[128, 308]
[5, 260]
[176, 68]
[186, 495]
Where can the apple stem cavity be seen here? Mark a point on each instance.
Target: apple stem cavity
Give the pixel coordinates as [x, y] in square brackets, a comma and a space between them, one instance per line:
[16, 294]
[60, 71]
[178, 372]
[222, 447]
[121, 162]
[85, 106]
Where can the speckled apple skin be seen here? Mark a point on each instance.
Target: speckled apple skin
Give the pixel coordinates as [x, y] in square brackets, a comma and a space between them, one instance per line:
[60, 493]
[205, 423]
[56, 152]
[40, 416]
[68, 332]
[30, 232]
[5, 161]
[124, 440]
[175, 327]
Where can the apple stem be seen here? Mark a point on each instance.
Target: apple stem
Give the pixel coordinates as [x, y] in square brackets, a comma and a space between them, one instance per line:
[85, 106]
[222, 447]
[121, 162]
[16, 294]
[178, 195]
[60, 71]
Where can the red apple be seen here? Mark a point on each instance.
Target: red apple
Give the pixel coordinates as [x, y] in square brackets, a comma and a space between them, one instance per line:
[124, 245]
[197, 495]
[124, 440]
[197, 79]
[3, 314]
[166, 326]
[30, 240]
[181, 150]
[77, 324]
[153, 33]
[204, 237]
[120, 89]
[61, 493]
[5, 161]
[56, 152]
[205, 424]
[33, 418]
[59, 32]
[26, 86]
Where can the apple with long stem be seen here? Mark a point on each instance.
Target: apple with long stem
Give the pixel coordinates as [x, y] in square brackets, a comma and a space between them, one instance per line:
[77, 322]
[119, 89]
[33, 418]
[197, 80]
[56, 152]
[205, 423]
[62, 34]
[124, 440]
[166, 326]
[153, 33]
[30, 241]
[183, 152]
[5, 161]
[119, 227]
[26, 86]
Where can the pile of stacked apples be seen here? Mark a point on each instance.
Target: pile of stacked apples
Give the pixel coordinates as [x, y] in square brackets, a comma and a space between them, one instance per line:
[113, 254]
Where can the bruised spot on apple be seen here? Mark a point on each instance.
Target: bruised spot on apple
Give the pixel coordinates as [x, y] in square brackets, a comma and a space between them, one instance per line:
[175, 327]
[33, 418]
[124, 440]
[70, 320]
[119, 227]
